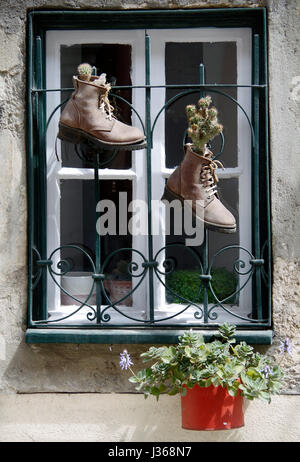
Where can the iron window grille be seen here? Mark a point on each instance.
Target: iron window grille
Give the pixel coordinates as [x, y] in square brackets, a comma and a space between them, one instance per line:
[154, 265]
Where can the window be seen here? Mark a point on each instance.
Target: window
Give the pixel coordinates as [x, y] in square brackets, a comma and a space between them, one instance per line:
[148, 284]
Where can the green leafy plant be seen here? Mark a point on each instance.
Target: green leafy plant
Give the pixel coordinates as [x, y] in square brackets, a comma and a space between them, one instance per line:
[186, 284]
[203, 123]
[219, 362]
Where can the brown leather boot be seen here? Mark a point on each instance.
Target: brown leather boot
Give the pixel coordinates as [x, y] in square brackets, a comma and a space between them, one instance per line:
[87, 117]
[195, 180]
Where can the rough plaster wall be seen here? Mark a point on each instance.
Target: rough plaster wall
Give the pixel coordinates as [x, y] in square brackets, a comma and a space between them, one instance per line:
[90, 368]
[125, 417]
[284, 72]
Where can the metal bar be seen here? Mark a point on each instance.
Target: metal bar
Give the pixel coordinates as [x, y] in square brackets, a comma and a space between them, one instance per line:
[267, 186]
[139, 335]
[192, 85]
[205, 234]
[137, 12]
[255, 180]
[149, 175]
[98, 238]
[30, 191]
[141, 325]
[40, 134]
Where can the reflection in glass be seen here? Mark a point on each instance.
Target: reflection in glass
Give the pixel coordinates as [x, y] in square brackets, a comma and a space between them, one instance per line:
[182, 67]
[78, 228]
[184, 280]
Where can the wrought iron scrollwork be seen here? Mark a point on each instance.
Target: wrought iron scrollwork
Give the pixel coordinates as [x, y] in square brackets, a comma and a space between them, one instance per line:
[138, 269]
[162, 265]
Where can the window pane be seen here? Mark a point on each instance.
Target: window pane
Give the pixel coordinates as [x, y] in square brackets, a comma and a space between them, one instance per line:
[182, 67]
[115, 61]
[184, 280]
[78, 228]
[229, 196]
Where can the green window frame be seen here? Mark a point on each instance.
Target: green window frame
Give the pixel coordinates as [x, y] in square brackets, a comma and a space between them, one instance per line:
[258, 330]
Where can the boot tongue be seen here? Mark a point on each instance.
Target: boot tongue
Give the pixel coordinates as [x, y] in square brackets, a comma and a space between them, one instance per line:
[104, 89]
[207, 154]
[101, 81]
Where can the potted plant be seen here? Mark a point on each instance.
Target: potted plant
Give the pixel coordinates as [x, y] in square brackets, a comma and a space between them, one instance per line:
[212, 377]
[118, 283]
[184, 284]
[79, 285]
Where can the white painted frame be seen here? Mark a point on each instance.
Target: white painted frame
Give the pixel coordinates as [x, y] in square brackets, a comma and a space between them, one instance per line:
[54, 41]
[243, 39]
[137, 174]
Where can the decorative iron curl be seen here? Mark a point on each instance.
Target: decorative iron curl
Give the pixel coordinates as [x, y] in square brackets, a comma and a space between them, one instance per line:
[134, 266]
[239, 263]
[208, 89]
[64, 266]
[60, 265]
[169, 264]
[131, 268]
[220, 303]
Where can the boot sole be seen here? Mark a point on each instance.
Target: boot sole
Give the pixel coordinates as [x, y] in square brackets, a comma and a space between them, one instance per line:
[169, 196]
[77, 136]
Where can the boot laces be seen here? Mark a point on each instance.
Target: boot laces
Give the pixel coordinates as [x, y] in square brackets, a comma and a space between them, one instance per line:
[103, 103]
[208, 175]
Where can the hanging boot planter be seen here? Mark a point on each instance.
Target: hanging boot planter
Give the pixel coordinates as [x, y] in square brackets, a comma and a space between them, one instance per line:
[195, 179]
[88, 116]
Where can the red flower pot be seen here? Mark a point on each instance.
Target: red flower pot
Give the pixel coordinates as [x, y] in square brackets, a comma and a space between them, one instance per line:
[211, 408]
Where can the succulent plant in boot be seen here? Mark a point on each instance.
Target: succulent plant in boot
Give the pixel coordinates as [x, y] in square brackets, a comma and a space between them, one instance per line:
[88, 116]
[195, 179]
[84, 71]
[203, 123]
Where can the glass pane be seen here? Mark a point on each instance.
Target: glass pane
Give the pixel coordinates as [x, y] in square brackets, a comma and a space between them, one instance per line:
[183, 278]
[229, 196]
[78, 231]
[182, 67]
[115, 61]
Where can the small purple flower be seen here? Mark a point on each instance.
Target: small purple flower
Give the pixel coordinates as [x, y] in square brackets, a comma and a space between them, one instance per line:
[125, 360]
[286, 345]
[266, 371]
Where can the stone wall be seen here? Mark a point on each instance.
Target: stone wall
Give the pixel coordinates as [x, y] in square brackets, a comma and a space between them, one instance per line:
[94, 368]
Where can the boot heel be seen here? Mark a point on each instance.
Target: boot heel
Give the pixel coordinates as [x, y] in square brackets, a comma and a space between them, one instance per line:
[168, 195]
[69, 134]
